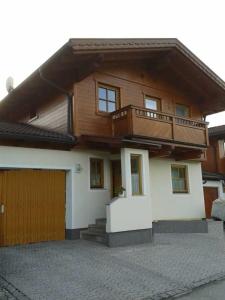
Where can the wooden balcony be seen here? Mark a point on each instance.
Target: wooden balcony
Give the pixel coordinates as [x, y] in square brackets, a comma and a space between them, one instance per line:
[137, 121]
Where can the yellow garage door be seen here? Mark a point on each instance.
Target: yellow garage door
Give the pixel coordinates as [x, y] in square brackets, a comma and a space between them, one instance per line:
[32, 206]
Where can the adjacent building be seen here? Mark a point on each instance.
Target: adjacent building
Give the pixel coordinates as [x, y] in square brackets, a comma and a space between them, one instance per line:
[214, 168]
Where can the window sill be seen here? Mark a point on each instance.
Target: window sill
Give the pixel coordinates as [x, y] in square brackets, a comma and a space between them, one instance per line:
[98, 189]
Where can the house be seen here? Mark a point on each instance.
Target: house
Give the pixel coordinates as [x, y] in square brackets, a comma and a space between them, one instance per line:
[105, 141]
[214, 168]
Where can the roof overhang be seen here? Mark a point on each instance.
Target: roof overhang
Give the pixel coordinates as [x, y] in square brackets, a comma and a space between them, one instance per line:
[213, 176]
[80, 57]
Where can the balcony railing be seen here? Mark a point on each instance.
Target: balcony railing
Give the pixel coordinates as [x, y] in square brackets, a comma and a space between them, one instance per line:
[132, 120]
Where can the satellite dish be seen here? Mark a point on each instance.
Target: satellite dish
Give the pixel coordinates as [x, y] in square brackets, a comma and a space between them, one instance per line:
[9, 84]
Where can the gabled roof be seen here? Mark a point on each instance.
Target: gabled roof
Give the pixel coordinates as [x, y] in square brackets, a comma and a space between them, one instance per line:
[217, 131]
[27, 132]
[80, 57]
[93, 45]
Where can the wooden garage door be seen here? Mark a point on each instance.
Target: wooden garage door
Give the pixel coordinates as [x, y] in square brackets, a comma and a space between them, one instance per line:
[210, 194]
[32, 206]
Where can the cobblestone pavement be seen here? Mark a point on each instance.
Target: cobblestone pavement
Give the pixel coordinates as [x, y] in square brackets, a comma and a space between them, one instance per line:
[172, 265]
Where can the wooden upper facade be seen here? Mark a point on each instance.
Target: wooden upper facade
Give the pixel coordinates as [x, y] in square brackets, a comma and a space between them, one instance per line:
[135, 85]
[150, 93]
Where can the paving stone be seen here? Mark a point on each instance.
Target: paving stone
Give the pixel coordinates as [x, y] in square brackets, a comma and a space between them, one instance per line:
[172, 265]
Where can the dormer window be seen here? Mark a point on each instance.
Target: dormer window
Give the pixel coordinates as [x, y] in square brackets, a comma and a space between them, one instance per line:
[107, 98]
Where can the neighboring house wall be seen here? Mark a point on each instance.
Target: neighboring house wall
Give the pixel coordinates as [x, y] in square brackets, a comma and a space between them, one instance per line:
[134, 82]
[210, 164]
[50, 115]
[215, 156]
[169, 206]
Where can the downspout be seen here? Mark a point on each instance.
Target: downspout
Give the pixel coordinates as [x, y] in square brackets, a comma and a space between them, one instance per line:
[69, 101]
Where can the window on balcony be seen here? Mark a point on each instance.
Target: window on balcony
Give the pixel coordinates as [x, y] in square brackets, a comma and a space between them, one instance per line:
[107, 99]
[136, 178]
[153, 104]
[179, 179]
[96, 173]
[182, 111]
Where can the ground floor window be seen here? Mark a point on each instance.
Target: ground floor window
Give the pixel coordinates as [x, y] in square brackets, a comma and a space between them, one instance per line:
[179, 179]
[96, 173]
[136, 179]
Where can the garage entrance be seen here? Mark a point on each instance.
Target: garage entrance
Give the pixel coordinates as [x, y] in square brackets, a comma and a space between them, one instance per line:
[32, 206]
[210, 194]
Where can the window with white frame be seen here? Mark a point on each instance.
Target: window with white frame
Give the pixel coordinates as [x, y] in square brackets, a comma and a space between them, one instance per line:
[136, 174]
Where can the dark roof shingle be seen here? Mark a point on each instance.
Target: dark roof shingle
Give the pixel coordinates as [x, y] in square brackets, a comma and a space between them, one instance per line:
[27, 132]
[217, 130]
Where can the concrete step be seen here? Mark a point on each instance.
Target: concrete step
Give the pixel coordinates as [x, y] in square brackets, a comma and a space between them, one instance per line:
[94, 236]
[101, 221]
[98, 228]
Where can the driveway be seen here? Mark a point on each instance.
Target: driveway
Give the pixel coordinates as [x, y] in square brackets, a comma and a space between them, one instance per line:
[172, 265]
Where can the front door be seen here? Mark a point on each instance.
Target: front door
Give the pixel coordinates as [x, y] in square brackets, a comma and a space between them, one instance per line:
[116, 177]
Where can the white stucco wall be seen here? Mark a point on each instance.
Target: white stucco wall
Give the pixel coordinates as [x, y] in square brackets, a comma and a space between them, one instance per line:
[169, 206]
[131, 212]
[217, 184]
[83, 205]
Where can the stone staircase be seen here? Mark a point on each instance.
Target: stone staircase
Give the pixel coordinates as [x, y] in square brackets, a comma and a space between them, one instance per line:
[96, 232]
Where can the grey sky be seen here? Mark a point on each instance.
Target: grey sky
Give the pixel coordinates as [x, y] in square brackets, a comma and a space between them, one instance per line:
[31, 31]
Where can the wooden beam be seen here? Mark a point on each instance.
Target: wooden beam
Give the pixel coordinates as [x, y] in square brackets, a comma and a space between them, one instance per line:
[111, 141]
[194, 154]
[166, 151]
[161, 153]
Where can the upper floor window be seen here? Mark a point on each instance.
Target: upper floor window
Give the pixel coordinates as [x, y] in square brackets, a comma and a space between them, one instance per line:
[152, 103]
[182, 111]
[107, 98]
[179, 179]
